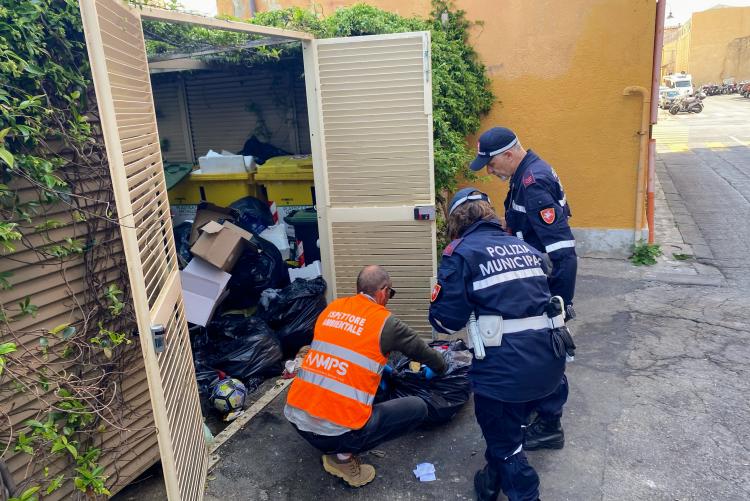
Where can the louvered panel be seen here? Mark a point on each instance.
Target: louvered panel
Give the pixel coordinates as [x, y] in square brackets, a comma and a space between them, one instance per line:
[226, 109]
[394, 247]
[374, 117]
[169, 119]
[380, 85]
[118, 60]
[303, 126]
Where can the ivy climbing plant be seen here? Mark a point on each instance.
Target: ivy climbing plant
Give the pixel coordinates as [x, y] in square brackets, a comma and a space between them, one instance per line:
[61, 384]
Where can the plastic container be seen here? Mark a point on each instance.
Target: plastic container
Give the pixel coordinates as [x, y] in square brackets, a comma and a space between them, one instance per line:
[219, 189]
[226, 164]
[174, 173]
[288, 180]
[305, 224]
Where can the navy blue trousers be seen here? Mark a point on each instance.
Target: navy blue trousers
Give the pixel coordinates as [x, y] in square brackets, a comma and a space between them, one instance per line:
[551, 406]
[501, 424]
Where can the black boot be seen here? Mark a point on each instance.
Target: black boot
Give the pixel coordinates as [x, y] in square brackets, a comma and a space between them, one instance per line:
[487, 484]
[544, 434]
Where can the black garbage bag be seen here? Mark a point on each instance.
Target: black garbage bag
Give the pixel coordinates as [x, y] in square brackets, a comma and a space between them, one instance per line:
[182, 242]
[261, 151]
[231, 329]
[293, 312]
[254, 214]
[244, 348]
[259, 356]
[260, 267]
[444, 394]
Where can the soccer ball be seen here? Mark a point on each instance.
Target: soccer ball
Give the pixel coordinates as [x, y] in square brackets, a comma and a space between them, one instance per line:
[228, 395]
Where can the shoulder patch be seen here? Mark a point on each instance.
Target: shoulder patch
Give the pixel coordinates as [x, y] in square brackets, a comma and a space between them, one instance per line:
[448, 251]
[435, 292]
[528, 180]
[548, 215]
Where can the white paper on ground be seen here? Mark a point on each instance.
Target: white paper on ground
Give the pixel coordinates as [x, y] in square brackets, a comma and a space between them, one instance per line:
[425, 472]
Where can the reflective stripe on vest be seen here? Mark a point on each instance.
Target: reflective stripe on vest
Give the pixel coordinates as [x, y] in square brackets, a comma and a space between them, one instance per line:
[341, 373]
[336, 387]
[346, 354]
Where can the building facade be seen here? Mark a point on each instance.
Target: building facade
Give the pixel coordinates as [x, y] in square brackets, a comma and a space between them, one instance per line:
[712, 46]
[558, 70]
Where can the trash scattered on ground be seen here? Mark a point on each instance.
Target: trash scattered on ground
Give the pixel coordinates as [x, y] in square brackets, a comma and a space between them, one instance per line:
[254, 214]
[259, 268]
[293, 312]
[221, 244]
[377, 453]
[203, 288]
[425, 472]
[182, 242]
[249, 349]
[444, 394]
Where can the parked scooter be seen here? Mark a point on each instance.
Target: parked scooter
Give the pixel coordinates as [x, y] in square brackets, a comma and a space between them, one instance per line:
[692, 104]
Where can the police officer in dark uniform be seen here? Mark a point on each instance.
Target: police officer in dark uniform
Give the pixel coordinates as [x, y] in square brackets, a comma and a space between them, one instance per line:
[498, 284]
[537, 212]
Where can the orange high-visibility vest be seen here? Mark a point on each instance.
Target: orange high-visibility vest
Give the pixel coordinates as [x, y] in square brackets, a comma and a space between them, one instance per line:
[341, 373]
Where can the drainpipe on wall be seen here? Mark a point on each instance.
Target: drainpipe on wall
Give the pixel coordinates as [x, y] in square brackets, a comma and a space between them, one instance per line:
[655, 77]
[643, 132]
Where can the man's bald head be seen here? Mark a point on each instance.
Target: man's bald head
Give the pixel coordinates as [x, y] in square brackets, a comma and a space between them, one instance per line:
[371, 279]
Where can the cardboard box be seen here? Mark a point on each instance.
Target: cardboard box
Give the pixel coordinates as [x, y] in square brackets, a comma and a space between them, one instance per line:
[221, 244]
[203, 289]
[209, 212]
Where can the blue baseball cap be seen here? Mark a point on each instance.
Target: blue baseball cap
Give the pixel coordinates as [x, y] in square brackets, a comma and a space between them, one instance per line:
[491, 143]
[465, 195]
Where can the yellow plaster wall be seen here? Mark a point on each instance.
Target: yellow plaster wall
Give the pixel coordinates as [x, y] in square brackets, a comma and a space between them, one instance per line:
[559, 69]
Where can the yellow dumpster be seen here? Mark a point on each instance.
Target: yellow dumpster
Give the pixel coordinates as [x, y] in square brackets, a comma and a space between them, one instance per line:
[288, 180]
[219, 189]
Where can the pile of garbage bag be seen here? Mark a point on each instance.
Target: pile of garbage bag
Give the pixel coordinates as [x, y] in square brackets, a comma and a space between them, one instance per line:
[260, 267]
[241, 347]
[444, 394]
[292, 312]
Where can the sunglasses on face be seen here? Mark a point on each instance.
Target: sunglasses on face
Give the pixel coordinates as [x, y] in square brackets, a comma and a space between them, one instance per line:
[391, 291]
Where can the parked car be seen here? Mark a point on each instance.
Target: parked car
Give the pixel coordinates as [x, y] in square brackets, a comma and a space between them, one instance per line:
[667, 98]
[745, 89]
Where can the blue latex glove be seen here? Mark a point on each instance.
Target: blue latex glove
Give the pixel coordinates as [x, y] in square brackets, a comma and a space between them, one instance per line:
[387, 370]
[428, 373]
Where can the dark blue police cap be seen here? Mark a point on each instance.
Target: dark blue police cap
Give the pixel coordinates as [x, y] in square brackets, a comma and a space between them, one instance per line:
[465, 195]
[491, 143]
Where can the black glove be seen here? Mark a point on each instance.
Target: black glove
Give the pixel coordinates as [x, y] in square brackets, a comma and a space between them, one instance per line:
[570, 313]
[562, 342]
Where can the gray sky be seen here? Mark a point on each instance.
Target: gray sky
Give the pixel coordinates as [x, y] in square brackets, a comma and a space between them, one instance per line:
[682, 9]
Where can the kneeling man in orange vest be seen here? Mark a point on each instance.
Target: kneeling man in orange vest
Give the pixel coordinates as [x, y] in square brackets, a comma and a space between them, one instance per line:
[330, 402]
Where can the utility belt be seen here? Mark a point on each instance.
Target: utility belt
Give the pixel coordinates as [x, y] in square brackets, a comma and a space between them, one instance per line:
[488, 330]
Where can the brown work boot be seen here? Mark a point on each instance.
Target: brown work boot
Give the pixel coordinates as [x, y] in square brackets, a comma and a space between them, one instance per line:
[351, 470]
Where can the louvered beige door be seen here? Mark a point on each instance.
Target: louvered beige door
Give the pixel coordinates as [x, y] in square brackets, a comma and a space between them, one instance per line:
[117, 53]
[370, 111]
